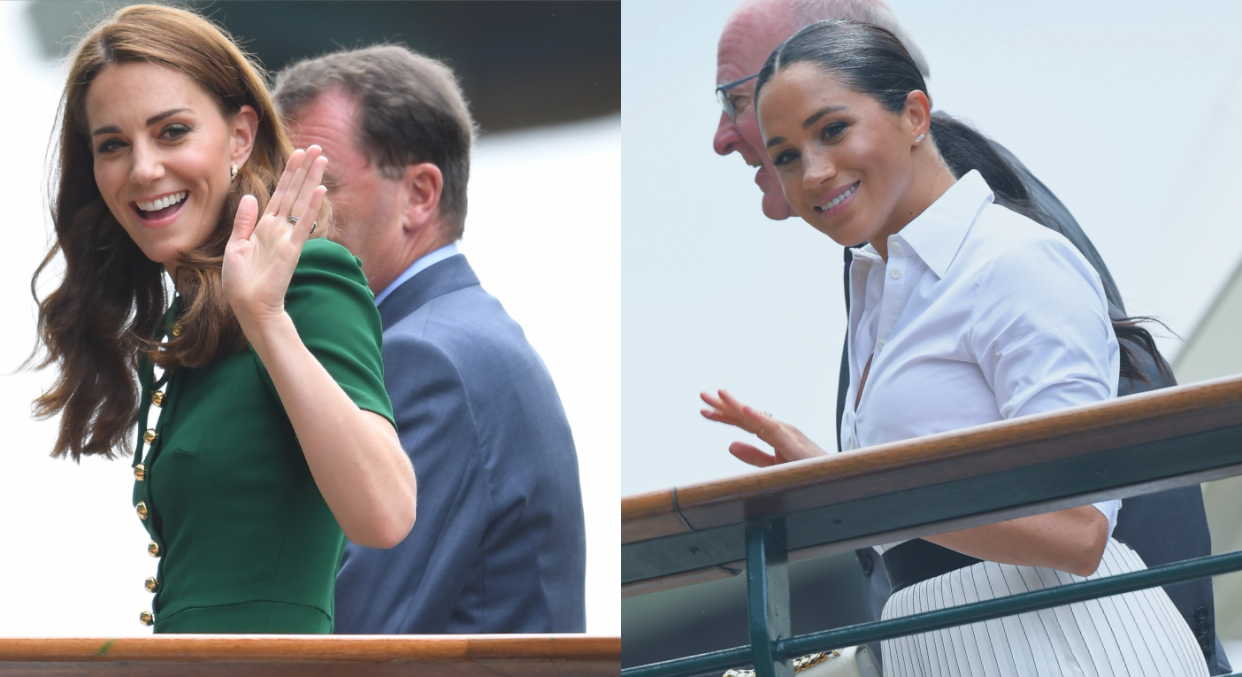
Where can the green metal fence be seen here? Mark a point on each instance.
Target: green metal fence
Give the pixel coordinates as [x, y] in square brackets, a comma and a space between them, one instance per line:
[1146, 443]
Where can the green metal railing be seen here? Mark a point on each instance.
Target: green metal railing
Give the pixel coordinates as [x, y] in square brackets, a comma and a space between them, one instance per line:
[1157, 441]
[772, 649]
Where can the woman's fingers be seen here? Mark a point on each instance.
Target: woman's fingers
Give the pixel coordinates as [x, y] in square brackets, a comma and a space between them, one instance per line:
[246, 218]
[286, 178]
[297, 183]
[306, 206]
[752, 455]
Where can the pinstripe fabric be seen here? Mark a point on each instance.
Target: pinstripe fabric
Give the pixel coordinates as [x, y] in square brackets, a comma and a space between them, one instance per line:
[1136, 634]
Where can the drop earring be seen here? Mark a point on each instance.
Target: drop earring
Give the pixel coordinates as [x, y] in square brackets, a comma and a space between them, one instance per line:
[232, 173]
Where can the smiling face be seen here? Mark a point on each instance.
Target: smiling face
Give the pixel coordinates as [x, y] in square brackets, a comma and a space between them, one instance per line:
[845, 163]
[162, 155]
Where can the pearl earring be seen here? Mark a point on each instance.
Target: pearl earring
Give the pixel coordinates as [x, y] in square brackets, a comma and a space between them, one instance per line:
[232, 172]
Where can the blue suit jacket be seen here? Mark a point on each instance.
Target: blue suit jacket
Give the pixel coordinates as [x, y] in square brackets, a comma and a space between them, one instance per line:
[499, 543]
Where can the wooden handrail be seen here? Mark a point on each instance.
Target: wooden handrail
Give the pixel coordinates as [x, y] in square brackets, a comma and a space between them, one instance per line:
[1186, 416]
[278, 655]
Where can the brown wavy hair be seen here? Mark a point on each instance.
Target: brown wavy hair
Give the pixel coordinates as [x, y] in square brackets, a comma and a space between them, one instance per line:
[108, 309]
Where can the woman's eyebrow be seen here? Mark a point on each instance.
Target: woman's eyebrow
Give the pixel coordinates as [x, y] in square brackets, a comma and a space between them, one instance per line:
[821, 113]
[113, 129]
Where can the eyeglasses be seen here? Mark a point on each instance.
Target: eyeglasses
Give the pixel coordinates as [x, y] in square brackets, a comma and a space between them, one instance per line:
[722, 94]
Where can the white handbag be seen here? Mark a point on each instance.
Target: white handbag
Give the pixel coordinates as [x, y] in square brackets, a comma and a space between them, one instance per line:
[854, 661]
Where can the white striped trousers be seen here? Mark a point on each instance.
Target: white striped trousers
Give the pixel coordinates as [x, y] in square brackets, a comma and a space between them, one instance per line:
[1136, 634]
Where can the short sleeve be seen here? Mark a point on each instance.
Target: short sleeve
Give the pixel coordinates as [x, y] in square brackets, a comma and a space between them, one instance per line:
[335, 315]
[1040, 329]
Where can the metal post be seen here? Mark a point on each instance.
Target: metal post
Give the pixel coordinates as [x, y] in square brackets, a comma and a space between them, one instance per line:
[767, 594]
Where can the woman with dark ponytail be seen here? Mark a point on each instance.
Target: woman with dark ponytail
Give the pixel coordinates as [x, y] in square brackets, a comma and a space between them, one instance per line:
[963, 311]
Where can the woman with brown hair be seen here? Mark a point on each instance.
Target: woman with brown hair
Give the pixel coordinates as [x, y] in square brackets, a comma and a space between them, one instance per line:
[267, 436]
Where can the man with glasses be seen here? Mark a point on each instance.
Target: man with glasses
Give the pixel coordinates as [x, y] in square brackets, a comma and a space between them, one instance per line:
[1163, 527]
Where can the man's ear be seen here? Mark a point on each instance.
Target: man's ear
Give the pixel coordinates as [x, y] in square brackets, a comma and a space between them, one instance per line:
[245, 126]
[423, 184]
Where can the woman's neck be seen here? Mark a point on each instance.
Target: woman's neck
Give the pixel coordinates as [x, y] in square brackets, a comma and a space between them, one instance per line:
[931, 179]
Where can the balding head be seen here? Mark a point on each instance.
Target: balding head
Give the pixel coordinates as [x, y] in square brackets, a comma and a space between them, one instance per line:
[753, 30]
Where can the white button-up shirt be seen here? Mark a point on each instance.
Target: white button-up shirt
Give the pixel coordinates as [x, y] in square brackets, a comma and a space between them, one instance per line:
[979, 315]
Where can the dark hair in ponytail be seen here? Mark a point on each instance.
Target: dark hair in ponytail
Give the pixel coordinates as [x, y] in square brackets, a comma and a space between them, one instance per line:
[964, 148]
[870, 60]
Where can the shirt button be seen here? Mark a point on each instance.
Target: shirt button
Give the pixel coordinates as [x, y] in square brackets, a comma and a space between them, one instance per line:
[146, 618]
[896, 247]
[142, 509]
[153, 549]
[140, 472]
[879, 345]
[157, 398]
[151, 584]
[150, 435]
[895, 273]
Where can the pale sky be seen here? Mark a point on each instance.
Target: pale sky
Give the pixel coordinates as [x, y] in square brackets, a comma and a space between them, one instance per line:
[543, 235]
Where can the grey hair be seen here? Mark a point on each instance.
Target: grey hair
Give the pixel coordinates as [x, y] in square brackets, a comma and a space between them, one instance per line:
[410, 110]
[875, 12]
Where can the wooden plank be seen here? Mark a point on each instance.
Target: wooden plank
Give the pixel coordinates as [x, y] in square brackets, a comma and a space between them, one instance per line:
[327, 656]
[650, 515]
[1148, 417]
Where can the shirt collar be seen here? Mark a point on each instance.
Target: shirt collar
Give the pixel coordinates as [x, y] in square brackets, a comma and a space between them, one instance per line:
[937, 234]
[423, 263]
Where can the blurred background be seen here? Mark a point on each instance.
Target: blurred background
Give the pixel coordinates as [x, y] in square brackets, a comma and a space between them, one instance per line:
[543, 234]
[1130, 112]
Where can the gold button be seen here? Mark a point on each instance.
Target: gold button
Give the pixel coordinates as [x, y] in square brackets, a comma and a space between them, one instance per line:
[154, 549]
[176, 329]
[150, 435]
[146, 618]
[140, 472]
[142, 509]
[157, 398]
[152, 584]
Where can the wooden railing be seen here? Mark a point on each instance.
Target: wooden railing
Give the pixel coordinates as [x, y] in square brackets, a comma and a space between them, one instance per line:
[1140, 444]
[313, 656]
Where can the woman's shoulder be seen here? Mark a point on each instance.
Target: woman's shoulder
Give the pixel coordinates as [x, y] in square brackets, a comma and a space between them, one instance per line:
[327, 273]
[322, 254]
[1002, 234]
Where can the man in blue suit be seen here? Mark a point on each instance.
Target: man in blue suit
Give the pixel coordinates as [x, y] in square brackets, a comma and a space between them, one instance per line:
[499, 545]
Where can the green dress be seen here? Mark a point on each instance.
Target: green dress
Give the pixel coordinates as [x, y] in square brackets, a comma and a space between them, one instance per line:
[243, 539]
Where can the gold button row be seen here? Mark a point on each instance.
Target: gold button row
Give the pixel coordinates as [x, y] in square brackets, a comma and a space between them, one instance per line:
[140, 473]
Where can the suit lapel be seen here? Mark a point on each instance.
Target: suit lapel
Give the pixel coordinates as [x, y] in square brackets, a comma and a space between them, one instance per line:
[445, 277]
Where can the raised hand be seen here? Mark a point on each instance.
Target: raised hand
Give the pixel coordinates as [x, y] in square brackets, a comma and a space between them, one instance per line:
[263, 251]
[788, 443]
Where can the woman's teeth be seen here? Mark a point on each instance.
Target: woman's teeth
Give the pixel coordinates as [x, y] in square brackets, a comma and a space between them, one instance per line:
[837, 200]
[162, 203]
